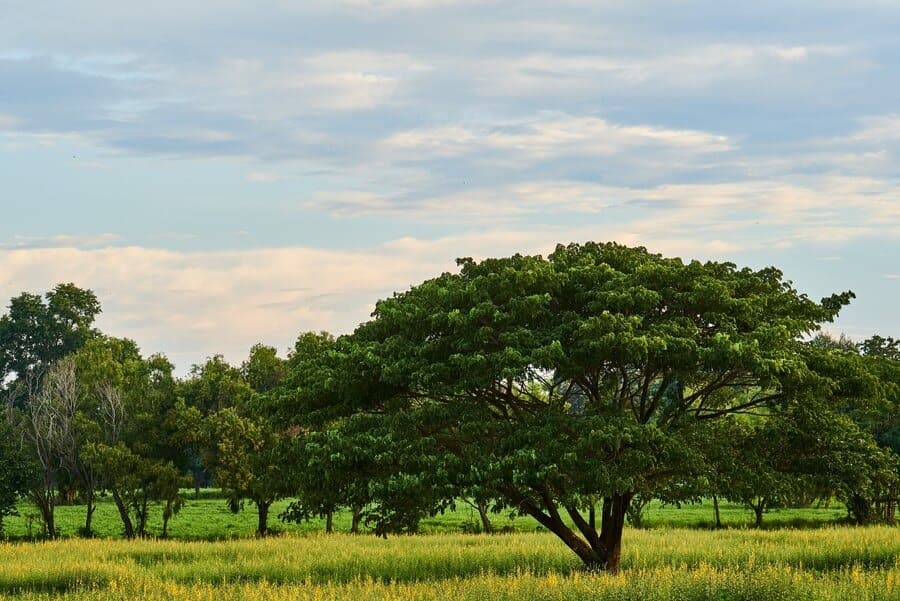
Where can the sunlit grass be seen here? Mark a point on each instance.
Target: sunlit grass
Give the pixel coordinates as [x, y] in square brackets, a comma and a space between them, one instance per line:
[828, 563]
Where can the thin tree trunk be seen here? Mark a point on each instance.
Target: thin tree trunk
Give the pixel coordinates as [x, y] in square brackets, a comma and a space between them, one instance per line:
[890, 507]
[47, 507]
[123, 514]
[89, 510]
[329, 522]
[262, 511]
[167, 515]
[142, 516]
[486, 525]
[357, 517]
[716, 508]
[592, 516]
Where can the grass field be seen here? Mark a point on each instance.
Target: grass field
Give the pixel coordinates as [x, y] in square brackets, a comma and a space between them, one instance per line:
[664, 563]
[208, 518]
[801, 555]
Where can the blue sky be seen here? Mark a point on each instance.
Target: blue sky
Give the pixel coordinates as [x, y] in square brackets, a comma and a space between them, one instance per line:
[223, 173]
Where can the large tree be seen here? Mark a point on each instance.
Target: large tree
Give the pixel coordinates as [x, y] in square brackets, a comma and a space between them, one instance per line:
[551, 382]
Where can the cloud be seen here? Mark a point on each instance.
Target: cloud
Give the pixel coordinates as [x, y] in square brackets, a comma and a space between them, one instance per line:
[193, 304]
[347, 80]
[877, 129]
[60, 241]
[817, 209]
[552, 136]
[687, 67]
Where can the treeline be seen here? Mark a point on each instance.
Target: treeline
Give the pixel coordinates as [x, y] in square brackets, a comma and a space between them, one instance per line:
[582, 384]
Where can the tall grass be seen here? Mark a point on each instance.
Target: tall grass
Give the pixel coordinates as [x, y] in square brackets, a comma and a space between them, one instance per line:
[832, 563]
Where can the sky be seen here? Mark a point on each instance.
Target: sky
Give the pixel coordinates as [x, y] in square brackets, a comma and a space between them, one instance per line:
[231, 172]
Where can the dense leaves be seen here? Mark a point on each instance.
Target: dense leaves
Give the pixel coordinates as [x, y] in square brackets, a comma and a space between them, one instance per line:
[580, 376]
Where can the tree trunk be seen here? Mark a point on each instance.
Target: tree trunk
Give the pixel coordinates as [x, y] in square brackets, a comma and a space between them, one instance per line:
[127, 526]
[861, 509]
[598, 552]
[47, 507]
[262, 511]
[592, 516]
[758, 508]
[89, 510]
[142, 515]
[329, 522]
[890, 507]
[167, 515]
[357, 517]
[486, 525]
[716, 508]
[611, 526]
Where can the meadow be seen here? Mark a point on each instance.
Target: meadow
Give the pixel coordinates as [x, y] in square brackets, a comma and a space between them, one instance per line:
[208, 518]
[837, 563]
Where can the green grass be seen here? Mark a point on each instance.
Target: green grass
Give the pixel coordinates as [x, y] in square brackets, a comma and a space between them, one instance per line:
[208, 518]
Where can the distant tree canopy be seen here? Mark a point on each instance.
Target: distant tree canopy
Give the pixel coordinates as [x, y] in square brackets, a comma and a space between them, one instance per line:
[548, 382]
[37, 331]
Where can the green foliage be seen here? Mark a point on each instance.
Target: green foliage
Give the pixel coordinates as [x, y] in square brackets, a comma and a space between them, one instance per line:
[38, 331]
[15, 470]
[263, 370]
[545, 382]
[243, 447]
[215, 385]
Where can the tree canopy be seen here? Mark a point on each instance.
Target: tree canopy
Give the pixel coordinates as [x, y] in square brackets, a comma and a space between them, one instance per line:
[549, 381]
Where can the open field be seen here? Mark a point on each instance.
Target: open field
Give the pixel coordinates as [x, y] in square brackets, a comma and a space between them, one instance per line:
[208, 518]
[827, 563]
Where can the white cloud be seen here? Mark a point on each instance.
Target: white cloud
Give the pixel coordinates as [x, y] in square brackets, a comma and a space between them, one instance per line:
[806, 208]
[193, 304]
[684, 67]
[876, 130]
[550, 136]
[267, 90]
[61, 241]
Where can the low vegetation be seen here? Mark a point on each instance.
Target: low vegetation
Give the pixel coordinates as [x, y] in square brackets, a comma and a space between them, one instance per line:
[826, 563]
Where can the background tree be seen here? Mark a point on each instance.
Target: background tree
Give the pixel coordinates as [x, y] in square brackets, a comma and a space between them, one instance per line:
[39, 330]
[143, 431]
[243, 453]
[472, 376]
[216, 385]
[264, 369]
[866, 391]
[15, 470]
